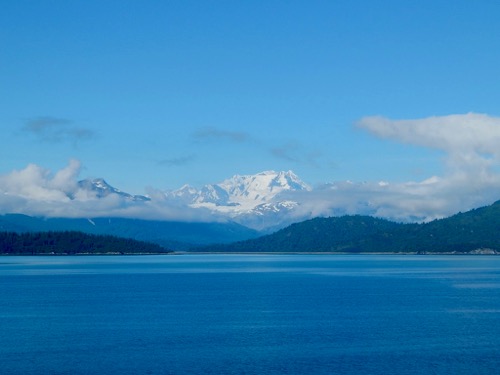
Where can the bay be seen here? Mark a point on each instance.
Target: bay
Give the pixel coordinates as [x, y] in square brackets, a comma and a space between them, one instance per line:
[250, 314]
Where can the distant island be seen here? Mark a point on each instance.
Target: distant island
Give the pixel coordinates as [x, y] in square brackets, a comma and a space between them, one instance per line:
[72, 243]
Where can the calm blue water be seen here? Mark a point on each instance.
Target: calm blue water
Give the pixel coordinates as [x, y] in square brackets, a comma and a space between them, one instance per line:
[250, 314]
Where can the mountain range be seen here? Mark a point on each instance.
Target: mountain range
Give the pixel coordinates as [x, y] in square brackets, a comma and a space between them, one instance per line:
[265, 201]
[262, 212]
[256, 201]
[241, 207]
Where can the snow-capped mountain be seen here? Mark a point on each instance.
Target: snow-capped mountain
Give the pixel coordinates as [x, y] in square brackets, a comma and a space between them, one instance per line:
[250, 191]
[244, 197]
[102, 189]
[258, 201]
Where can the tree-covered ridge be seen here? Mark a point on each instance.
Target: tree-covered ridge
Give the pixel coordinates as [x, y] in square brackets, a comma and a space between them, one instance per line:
[461, 233]
[169, 234]
[34, 243]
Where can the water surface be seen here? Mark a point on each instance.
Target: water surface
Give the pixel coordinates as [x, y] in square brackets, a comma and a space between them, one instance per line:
[250, 314]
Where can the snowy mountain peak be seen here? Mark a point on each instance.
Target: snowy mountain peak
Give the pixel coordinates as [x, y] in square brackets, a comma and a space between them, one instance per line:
[241, 193]
[264, 183]
[102, 189]
[290, 181]
[259, 201]
[185, 190]
[102, 185]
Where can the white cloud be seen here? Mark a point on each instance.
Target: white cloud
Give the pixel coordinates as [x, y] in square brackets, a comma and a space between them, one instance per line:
[471, 140]
[66, 179]
[37, 191]
[467, 132]
[33, 183]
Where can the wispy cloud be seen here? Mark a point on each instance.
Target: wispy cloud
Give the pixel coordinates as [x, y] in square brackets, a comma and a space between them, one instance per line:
[178, 161]
[288, 151]
[291, 151]
[212, 133]
[294, 152]
[57, 130]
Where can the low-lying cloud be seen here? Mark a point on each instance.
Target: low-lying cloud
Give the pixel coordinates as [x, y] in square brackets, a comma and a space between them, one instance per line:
[37, 191]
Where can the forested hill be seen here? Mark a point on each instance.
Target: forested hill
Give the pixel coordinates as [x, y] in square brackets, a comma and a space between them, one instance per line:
[70, 243]
[172, 235]
[476, 231]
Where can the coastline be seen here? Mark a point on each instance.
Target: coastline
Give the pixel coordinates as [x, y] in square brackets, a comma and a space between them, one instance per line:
[480, 251]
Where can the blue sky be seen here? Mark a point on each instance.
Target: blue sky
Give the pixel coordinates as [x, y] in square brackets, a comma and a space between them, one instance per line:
[162, 93]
